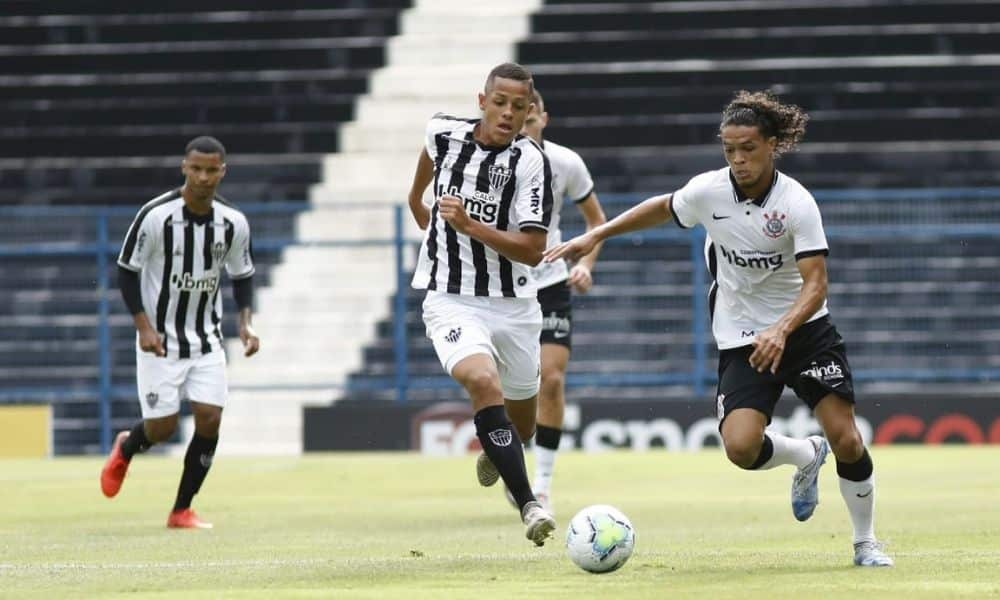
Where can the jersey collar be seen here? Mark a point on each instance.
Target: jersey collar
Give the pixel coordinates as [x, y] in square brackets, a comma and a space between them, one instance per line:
[739, 196]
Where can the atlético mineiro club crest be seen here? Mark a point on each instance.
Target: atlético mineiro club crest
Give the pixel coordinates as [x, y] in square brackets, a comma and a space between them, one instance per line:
[774, 224]
[499, 176]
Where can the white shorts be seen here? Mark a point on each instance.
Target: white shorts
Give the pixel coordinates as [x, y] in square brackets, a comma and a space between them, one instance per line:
[164, 381]
[505, 328]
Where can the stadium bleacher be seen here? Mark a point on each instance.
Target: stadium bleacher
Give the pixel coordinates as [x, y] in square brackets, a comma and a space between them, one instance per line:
[637, 87]
[99, 98]
[98, 95]
[897, 98]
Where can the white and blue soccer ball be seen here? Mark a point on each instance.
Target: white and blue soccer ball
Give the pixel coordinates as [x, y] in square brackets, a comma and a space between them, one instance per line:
[600, 538]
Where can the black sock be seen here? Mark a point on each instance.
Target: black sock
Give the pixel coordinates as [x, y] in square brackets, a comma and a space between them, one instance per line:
[503, 447]
[196, 464]
[766, 452]
[858, 470]
[136, 442]
[548, 437]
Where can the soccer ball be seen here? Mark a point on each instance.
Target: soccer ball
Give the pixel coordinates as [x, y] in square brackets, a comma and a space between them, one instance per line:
[600, 539]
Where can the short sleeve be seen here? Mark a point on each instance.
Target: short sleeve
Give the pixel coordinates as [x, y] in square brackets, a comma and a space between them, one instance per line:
[684, 203]
[533, 197]
[807, 229]
[579, 183]
[239, 260]
[142, 239]
[438, 127]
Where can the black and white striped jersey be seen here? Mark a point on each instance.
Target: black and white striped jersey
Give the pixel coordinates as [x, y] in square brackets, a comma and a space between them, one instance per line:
[508, 188]
[180, 256]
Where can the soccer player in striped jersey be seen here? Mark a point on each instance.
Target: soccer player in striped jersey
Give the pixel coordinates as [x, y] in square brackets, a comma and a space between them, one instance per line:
[486, 229]
[571, 181]
[170, 274]
[766, 250]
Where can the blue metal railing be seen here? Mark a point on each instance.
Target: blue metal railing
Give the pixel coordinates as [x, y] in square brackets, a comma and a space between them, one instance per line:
[699, 378]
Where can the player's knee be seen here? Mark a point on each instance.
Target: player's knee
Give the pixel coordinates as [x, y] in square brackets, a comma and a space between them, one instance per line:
[553, 381]
[483, 384]
[208, 425]
[160, 430]
[846, 443]
[525, 429]
[742, 453]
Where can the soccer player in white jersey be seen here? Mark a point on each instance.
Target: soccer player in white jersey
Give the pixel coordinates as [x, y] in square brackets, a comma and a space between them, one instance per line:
[170, 273]
[766, 250]
[486, 228]
[571, 181]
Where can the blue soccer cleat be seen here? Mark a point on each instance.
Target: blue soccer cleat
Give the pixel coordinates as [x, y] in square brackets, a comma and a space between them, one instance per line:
[805, 483]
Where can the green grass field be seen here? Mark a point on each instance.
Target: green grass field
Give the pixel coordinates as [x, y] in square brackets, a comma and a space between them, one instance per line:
[407, 526]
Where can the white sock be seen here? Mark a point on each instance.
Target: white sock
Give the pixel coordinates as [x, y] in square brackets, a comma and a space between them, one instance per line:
[860, 499]
[545, 460]
[789, 451]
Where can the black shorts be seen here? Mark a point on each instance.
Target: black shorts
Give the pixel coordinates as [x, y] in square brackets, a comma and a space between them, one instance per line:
[814, 364]
[557, 314]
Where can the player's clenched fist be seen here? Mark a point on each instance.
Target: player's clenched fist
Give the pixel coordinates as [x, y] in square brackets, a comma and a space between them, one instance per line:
[453, 211]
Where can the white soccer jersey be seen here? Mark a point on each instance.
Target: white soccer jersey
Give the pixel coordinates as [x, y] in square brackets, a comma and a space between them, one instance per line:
[570, 179]
[508, 188]
[751, 249]
[180, 256]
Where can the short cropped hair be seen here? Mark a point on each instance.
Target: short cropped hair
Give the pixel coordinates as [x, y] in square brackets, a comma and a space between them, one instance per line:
[206, 145]
[510, 70]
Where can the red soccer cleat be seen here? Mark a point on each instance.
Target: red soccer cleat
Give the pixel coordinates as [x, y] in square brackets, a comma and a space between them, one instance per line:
[115, 468]
[186, 518]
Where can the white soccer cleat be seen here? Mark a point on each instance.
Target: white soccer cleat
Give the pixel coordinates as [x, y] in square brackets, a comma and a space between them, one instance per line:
[805, 482]
[486, 472]
[538, 523]
[871, 554]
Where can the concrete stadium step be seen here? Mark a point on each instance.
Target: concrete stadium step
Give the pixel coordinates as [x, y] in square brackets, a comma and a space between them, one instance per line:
[664, 16]
[236, 24]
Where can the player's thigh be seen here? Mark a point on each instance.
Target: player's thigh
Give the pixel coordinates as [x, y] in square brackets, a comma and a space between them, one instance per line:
[517, 324]
[743, 387]
[158, 381]
[457, 329]
[206, 381]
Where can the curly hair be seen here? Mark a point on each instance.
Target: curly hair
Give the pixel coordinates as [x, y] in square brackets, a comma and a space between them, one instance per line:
[764, 110]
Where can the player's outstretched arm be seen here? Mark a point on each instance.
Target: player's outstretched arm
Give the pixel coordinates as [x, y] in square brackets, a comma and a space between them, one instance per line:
[422, 177]
[648, 213]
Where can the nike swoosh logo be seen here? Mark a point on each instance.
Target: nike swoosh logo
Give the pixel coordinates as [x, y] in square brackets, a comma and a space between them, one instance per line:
[839, 383]
[718, 218]
[865, 495]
